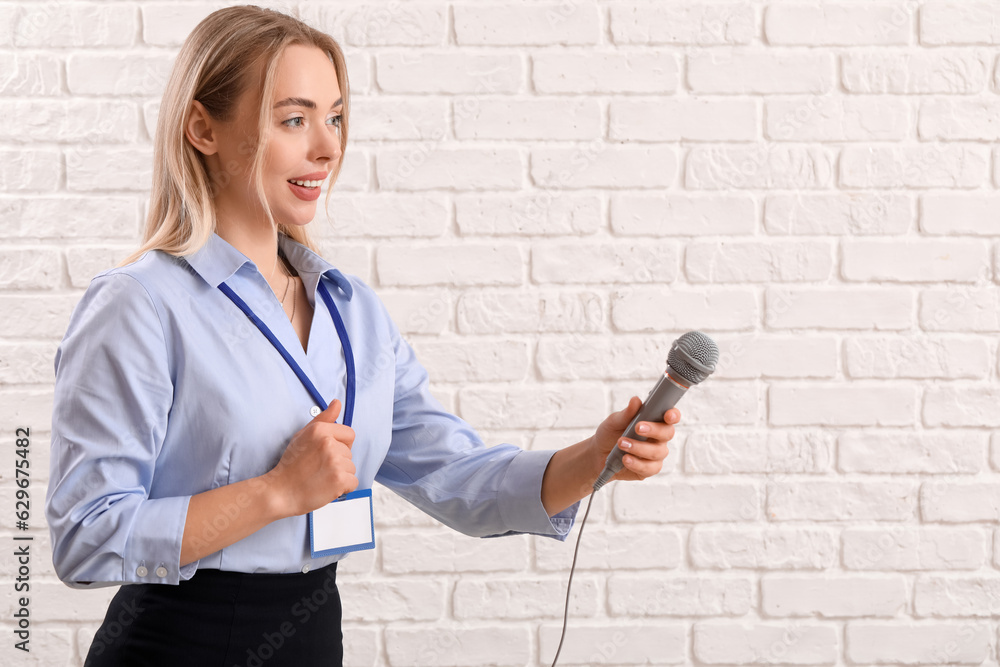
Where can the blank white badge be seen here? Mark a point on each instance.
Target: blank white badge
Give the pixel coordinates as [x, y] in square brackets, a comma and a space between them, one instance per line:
[347, 524]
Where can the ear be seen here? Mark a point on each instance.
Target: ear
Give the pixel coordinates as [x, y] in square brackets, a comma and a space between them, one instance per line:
[199, 129]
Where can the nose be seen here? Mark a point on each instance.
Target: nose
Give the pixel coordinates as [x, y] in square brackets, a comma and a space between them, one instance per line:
[326, 142]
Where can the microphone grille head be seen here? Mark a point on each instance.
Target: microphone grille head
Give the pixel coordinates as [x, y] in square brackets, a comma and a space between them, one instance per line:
[693, 356]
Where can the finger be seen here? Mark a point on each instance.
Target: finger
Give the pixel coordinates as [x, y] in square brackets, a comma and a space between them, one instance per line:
[672, 416]
[647, 451]
[642, 467]
[655, 431]
[331, 412]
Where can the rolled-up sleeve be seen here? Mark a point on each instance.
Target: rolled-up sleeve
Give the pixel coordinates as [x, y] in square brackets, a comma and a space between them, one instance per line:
[113, 394]
[439, 463]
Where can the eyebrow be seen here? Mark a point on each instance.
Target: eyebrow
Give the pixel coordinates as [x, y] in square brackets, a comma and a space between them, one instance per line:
[303, 102]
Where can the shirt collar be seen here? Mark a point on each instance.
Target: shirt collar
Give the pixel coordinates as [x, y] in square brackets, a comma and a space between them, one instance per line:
[217, 260]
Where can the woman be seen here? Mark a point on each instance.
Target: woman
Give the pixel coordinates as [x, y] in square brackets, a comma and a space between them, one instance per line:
[188, 450]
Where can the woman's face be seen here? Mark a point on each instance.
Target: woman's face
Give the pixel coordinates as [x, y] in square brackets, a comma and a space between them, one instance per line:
[304, 142]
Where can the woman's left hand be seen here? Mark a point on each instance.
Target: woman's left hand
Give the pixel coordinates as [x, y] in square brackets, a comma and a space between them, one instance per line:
[641, 459]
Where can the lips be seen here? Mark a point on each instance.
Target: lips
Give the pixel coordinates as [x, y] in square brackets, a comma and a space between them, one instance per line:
[315, 176]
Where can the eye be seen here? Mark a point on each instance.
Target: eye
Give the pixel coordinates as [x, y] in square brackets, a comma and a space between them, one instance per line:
[286, 122]
[336, 121]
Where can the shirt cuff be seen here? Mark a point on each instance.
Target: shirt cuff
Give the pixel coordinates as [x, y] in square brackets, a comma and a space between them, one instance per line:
[153, 554]
[520, 499]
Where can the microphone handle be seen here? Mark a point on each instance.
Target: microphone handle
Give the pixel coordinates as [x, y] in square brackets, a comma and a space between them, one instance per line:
[661, 398]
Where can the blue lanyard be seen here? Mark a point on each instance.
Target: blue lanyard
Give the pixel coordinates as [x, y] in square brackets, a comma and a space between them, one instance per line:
[344, 341]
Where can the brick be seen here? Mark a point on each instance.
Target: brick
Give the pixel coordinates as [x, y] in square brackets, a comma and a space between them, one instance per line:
[613, 548]
[764, 643]
[419, 311]
[98, 168]
[169, 24]
[927, 452]
[528, 119]
[83, 262]
[620, 261]
[687, 119]
[394, 600]
[946, 166]
[544, 214]
[838, 214]
[932, 260]
[448, 73]
[492, 311]
[756, 262]
[464, 264]
[960, 502]
[949, 71]
[943, 23]
[680, 215]
[958, 119]
[506, 25]
[90, 25]
[522, 598]
[917, 643]
[458, 360]
[603, 166]
[681, 502]
[25, 170]
[725, 452]
[601, 357]
[571, 71]
[601, 644]
[36, 317]
[118, 74]
[760, 356]
[885, 308]
[387, 214]
[966, 309]
[29, 75]
[644, 595]
[842, 405]
[660, 309]
[49, 646]
[838, 24]
[923, 357]
[381, 118]
[70, 217]
[542, 406]
[763, 548]
[833, 596]
[27, 363]
[900, 548]
[447, 645]
[841, 501]
[395, 24]
[966, 405]
[717, 403]
[956, 596]
[444, 550]
[820, 118]
[26, 268]
[948, 213]
[747, 71]
[361, 645]
[758, 167]
[429, 166]
[704, 24]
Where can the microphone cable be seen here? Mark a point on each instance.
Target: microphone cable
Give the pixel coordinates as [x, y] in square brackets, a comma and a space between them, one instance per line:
[571, 569]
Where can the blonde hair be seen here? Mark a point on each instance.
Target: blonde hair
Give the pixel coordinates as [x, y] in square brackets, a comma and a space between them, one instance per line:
[221, 59]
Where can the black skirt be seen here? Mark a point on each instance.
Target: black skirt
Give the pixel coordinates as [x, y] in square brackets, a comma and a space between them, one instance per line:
[224, 619]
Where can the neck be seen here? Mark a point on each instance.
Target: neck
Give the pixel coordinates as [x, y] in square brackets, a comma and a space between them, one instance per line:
[259, 244]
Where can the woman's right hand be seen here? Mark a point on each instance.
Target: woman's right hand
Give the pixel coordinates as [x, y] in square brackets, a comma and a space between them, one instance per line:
[316, 467]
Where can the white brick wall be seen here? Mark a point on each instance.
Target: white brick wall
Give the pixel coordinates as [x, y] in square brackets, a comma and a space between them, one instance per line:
[546, 193]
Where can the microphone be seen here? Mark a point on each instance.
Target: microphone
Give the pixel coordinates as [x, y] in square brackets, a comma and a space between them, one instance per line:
[692, 358]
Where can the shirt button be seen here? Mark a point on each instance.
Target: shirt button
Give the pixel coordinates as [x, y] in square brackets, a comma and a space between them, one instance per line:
[314, 410]
[305, 568]
[141, 571]
[161, 571]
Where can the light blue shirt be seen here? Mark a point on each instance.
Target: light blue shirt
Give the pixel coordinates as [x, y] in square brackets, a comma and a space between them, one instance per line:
[165, 389]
